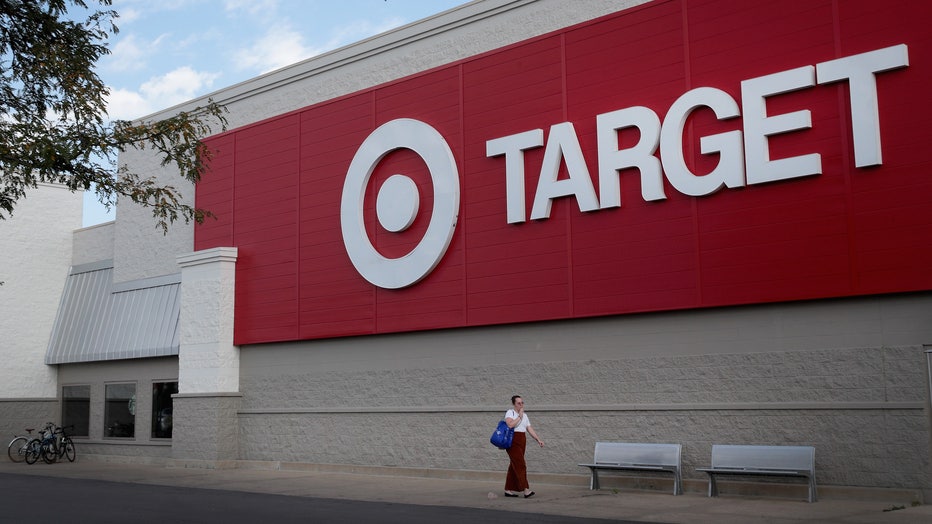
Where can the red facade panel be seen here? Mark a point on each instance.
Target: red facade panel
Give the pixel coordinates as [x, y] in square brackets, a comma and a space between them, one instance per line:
[517, 91]
[276, 186]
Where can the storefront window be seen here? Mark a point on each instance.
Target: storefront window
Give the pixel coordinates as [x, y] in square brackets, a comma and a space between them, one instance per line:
[120, 410]
[162, 408]
[76, 409]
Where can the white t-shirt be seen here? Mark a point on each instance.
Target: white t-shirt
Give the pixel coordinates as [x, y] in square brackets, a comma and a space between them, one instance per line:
[525, 421]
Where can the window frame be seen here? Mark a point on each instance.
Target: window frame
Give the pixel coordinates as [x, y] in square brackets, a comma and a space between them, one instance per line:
[68, 420]
[132, 402]
[156, 407]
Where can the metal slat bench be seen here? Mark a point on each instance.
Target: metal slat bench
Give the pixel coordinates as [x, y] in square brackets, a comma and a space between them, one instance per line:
[627, 456]
[774, 461]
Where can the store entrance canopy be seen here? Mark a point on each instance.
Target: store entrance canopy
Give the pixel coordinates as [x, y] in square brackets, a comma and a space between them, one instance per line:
[98, 320]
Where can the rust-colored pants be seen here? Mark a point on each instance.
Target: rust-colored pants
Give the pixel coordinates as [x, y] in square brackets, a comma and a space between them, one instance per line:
[516, 480]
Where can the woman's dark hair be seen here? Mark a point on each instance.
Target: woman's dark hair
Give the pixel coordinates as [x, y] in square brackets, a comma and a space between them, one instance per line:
[514, 398]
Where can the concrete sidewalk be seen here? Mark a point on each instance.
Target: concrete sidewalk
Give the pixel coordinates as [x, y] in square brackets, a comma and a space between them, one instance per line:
[550, 499]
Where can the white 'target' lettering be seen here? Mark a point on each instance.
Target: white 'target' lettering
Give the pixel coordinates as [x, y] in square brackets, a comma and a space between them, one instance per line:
[641, 155]
[860, 72]
[744, 156]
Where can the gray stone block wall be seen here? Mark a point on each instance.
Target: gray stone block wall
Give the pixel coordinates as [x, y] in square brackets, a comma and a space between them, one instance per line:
[205, 427]
[844, 457]
[841, 375]
[18, 414]
[862, 408]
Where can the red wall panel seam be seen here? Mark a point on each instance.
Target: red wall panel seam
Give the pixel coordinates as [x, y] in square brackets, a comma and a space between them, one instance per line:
[233, 194]
[297, 240]
[460, 223]
[844, 122]
[570, 281]
[694, 204]
[373, 104]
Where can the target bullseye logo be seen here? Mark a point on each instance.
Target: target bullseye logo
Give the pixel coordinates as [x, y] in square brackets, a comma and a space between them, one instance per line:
[398, 202]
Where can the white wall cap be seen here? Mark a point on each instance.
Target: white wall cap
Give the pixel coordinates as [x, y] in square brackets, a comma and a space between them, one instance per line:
[208, 256]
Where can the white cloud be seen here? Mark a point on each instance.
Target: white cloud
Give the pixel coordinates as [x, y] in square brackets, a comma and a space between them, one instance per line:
[174, 87]
[128, 54]
[177, 86]
[277, 48]
[123, 104]
[128, 15]
[251, 7]
[282, 45]
[131, 53]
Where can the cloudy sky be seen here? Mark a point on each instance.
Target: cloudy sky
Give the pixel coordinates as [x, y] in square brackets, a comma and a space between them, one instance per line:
[170, 51]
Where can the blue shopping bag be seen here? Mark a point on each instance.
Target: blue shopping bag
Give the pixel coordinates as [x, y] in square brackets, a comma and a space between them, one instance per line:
[502, 436]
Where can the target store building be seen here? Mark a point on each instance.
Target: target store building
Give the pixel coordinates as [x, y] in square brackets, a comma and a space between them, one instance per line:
[681, 221]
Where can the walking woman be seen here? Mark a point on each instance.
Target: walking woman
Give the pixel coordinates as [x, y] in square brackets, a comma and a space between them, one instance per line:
[516, 482]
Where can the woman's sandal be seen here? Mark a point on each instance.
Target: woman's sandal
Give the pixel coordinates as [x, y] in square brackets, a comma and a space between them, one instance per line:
[528, 495]
[511, 494]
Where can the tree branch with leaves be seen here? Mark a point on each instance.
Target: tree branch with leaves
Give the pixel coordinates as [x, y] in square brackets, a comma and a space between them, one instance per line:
[53, 115]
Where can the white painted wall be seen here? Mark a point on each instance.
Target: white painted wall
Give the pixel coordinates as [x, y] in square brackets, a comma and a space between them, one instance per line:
[35, 244]
[208, 361]
[93, 244]
[141, 250]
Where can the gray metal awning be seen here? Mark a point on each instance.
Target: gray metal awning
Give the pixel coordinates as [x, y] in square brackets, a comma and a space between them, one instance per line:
[98, 320]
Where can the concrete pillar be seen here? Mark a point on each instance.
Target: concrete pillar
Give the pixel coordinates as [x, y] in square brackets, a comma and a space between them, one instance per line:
[205, 408]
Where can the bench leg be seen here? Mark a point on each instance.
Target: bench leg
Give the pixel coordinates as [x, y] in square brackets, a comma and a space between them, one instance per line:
[812, 490]
[713, 487]
[594, 481]
[677, 484]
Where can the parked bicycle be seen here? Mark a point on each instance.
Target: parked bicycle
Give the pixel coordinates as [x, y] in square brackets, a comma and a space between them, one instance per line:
[55, 444]
[33, 449]
[18, 446]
